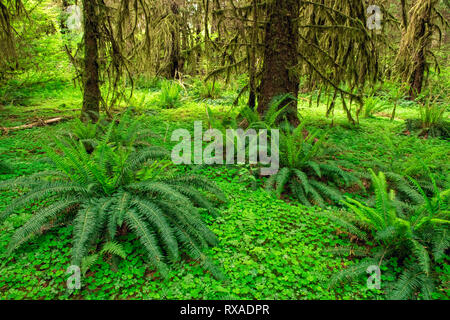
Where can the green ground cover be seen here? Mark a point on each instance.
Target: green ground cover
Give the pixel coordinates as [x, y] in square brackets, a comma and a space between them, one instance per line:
[268, 248]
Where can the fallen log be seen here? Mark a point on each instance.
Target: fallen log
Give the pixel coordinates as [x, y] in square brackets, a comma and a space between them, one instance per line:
[38, 123]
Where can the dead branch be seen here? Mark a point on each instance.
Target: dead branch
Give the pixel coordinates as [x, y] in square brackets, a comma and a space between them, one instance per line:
[38, 123]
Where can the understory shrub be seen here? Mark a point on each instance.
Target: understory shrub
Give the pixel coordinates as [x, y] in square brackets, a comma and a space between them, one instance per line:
[5, 167]
[116, 188]
[373, 105]
[207, 89]
[130, 131]
[417, 240]
[307, 172]
[170, 96]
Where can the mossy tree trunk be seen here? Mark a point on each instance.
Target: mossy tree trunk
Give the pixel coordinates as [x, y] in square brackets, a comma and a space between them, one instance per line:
[280, 56]
[175, 63]
[416, 43]
[91, 88]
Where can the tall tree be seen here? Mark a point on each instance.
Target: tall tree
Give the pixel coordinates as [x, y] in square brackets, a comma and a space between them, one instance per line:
[280, 55]
[91, 89]
[175, 64]
[278, 42]
[416, 43]
[9, 10]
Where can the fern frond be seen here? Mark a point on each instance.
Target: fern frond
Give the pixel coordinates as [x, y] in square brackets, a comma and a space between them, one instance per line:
[148, 240]
[84, 230]
[155, 217]
[114, 248]
[326, 191]
[281, 179]
[45, 190]
[351, 273]
[422, 256]
[37, 221]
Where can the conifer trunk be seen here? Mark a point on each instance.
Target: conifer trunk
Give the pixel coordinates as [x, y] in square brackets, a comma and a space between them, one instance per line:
[175, 59]
[280, 56]
[91, 89]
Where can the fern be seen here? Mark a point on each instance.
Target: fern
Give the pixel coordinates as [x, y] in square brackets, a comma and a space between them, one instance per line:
[170, 96]
[126, 130]
[108, 189]
[109, 248]
[5, 168]
[306, 173]
[419, 236]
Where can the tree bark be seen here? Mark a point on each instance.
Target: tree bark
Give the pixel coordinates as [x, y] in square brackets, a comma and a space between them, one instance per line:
[175, 59]
[280, 56]
[418, 75]
[91, 90]
[252, 58]
[404, 15]
[422, 37]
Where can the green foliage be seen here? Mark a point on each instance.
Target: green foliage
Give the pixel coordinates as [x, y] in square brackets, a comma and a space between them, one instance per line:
[274, 115]
[373, 105]
[269, 249]
[101, 193]
[130, 131]
[306, 172]
[431, 115]
[249, 119]
[153, 83]
[170, 95]
[417, 237]
[5, 167]
[432, 120]
[221, 122]
[207, 89]
[109, 248]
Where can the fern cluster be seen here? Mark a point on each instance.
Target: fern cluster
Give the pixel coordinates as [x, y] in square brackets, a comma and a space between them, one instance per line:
[5, 167]
[128, 132]
[247, 118]
[373, 105]
[417, 166]
[418, 239]
[115, 187]
[170, 96]
[306, 171]
[274, 117]
[432, 116]
[206, 89]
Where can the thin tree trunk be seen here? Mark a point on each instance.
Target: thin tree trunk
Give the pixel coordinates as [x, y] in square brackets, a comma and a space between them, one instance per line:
[404, 15]
[418, 75]
[174, 63]
[91, 92]
[280, 56]
[251, 52]
[422, 38]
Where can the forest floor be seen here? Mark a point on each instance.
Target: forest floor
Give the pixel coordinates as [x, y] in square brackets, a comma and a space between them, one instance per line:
[268, 248]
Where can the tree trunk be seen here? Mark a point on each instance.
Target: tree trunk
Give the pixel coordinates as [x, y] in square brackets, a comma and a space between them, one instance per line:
[418, 75]
[422, 39]
[280, 56]
[91, 90]
[174, 63]
[252, 58]
[404, 15]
